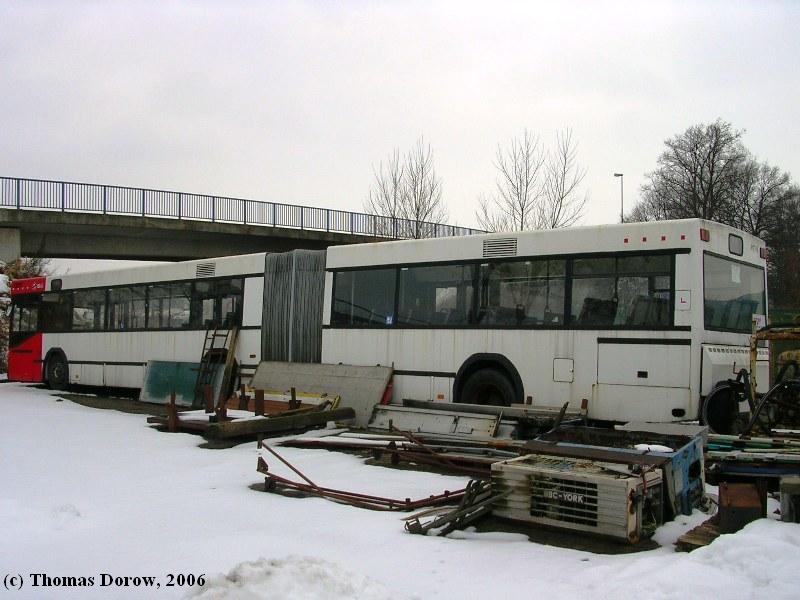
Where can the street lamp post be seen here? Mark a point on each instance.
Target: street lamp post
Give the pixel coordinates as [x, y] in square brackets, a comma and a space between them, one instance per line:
[621, 204]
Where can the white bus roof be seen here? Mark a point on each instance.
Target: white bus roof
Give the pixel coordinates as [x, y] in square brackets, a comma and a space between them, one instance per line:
[226, 266]
[639, 237]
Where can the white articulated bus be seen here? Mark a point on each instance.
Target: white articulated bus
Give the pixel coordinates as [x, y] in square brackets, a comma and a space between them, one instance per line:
[640, 319]
[101, 329]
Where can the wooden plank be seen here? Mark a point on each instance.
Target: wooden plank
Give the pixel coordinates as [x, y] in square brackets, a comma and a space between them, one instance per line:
[259, 408]
[700, 536]
[172, 414]
[181, 425]
[298, 420]
[231, 339]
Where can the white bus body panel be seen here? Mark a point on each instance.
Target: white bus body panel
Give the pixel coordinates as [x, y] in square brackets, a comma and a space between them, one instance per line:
[532, 353]
[644, 365]
[722, 362]
[85, 352]
[253, 302]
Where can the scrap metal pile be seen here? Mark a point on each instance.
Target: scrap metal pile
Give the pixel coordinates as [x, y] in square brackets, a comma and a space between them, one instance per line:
[616, 483]
[274, 482]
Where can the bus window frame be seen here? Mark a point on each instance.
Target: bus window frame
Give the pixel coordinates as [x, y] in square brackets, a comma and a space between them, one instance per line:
[567, 323]
[69, 295]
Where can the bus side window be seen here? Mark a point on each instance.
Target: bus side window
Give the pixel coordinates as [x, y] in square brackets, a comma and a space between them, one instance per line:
[89, 310]
[180, 305]
[363, 297]
[203, 304]
[437, 295]
[157, 306]
[55, 311]
[230, 302]
[522, 293]
[126, 308]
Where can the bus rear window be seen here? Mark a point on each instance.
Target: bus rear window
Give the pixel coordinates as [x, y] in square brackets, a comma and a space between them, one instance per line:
[732, 293]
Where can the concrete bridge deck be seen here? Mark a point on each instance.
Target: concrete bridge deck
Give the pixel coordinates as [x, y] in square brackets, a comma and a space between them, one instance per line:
[58, 219]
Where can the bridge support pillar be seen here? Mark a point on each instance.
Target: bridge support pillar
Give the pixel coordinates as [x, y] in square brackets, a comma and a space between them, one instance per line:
[10, 244]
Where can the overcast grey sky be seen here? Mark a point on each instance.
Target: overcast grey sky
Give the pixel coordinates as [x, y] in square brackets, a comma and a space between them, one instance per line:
[295, 102]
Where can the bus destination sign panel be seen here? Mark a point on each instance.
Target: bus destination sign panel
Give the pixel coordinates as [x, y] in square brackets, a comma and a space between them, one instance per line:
[32, 285]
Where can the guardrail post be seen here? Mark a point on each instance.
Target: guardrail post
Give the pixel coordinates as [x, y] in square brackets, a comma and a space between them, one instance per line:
[213, 208]
[327, 219]
[351, 223]
[142, 202]
[244, 212]
[302, 211]
[180, 201]
[63, 196]
[105, 202]
[273, 214]
[17, 194]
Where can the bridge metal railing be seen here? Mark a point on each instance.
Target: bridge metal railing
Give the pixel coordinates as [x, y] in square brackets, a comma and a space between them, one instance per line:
[65, 196]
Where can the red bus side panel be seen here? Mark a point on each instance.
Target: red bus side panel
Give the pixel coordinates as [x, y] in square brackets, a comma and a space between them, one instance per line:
[25, 360]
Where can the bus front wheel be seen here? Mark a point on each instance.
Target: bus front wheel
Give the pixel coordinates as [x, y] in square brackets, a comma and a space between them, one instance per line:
[57, 372]
[488, 386]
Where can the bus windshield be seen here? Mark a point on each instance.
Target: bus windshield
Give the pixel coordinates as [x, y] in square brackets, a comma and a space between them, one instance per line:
[733, 292]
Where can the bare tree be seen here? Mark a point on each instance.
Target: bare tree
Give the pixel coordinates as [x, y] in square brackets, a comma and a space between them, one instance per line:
[783, 268]
[517, 189]
[489, 218]
[409, 193]
[422, 204]
[562, 203]
[696, 175]
[757, 193]
[706, 172]
[534, 189]
[386, 194]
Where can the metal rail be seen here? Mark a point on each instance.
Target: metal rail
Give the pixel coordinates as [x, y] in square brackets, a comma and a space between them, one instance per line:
[64, 196]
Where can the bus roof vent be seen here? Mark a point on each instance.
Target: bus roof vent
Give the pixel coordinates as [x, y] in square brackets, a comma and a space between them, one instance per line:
[205, 269]
[499, 247]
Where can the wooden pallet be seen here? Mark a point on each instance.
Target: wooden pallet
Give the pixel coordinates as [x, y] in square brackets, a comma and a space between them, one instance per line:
[700, 536]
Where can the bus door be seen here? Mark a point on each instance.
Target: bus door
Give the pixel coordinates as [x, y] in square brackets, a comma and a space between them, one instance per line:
[25, 340]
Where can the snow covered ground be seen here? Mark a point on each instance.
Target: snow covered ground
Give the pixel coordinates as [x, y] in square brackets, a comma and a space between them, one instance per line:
[88, 492]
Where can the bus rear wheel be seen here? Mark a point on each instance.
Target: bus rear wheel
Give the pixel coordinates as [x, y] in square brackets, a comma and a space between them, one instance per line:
[721, 409]
[57, 372]
[488, 386]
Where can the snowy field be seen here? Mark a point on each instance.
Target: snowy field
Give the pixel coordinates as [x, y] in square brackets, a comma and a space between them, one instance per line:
[88, 492]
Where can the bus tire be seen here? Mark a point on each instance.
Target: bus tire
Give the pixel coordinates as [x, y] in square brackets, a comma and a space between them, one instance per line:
[488, 386]
[720, 410]
[57, 371]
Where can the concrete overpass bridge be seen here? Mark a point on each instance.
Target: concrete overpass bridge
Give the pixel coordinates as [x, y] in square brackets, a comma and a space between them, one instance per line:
[60, 219]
